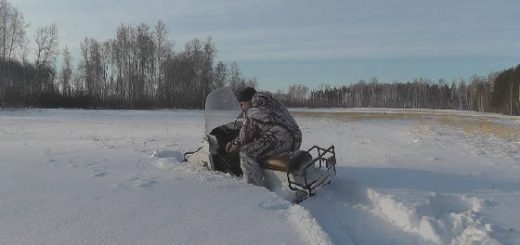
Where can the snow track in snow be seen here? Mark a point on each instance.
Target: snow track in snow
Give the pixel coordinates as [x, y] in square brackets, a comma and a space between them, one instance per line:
[442, 219]
[359, 210]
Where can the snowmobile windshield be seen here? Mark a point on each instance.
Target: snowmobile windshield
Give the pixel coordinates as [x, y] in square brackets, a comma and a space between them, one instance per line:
[221, 108]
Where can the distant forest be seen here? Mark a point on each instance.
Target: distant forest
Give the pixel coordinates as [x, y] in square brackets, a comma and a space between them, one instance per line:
[138, 68]
[497, 92]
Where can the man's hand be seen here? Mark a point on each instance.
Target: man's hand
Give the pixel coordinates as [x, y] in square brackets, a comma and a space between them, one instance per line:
[230, 147]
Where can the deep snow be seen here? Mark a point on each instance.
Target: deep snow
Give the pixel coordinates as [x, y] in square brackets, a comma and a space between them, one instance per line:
[116, 177]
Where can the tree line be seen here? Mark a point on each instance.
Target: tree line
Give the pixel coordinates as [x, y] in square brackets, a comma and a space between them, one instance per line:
[497, 92]
[137, 68]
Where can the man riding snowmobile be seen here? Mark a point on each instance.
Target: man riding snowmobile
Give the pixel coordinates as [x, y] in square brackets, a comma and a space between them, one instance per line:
[268, 129]
[262, 144]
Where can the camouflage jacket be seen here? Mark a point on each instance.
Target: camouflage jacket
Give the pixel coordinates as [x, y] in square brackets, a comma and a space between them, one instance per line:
[268, 118]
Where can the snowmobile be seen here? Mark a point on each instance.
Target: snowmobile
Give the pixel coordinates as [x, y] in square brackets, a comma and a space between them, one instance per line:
[293, 175]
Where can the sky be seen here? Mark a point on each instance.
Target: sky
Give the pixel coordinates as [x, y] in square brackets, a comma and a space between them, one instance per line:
[312, 42]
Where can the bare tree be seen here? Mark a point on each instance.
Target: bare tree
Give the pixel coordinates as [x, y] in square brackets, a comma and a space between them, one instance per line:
[163, 50]
[46, 45]
[12, 30]
[66, 72]
[234, 77]
[5, 9]
[220, 75]
[18, 28]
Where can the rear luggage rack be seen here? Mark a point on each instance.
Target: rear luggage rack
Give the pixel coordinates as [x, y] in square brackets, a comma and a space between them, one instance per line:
[324, 160]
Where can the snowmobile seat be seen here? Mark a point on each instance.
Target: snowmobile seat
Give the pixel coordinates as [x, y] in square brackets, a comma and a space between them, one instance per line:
[286, 162]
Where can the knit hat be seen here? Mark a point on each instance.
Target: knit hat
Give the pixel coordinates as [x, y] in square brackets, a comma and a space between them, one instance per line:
[246, 94]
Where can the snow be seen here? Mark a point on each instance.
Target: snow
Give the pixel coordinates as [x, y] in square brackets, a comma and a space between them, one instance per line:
[117, 177]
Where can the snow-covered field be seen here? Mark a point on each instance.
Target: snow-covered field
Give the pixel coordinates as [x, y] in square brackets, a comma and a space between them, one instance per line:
[116, 177]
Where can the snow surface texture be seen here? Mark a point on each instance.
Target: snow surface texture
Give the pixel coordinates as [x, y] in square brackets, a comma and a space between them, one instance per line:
[117, 177]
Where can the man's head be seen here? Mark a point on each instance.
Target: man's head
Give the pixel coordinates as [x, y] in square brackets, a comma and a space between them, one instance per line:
[245, 97]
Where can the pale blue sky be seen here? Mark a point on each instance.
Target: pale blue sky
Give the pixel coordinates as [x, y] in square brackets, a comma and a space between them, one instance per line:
[314, 42]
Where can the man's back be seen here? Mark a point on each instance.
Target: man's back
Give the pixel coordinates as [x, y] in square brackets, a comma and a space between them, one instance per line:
[272, 116]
